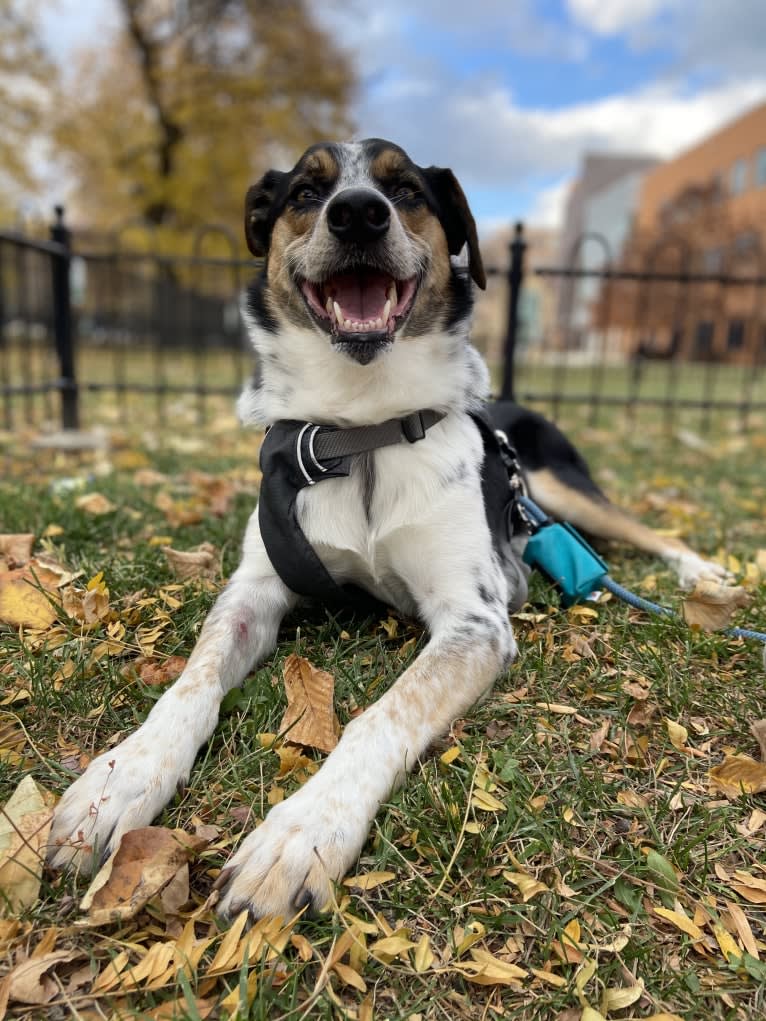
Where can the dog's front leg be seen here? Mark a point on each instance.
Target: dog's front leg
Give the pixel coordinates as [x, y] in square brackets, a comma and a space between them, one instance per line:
[312, 838]
[126, 787]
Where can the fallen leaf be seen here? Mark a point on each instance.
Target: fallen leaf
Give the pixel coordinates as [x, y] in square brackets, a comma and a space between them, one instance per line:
[30, 981]
[678, 735]
[94, 503]
[728, 946]
[369, 880]
[155, 672]
[486, 802]
[145, 862]
[619, 999]
[681, 922]
[309, 719]
[25, 822]
[349, 977]
[742, 926]
[527, 885]
[17, 548]
[200, 562]
[23, 599]
[711, 606]
[737, 775]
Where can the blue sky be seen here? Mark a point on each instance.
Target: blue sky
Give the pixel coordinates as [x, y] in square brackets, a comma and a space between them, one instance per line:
[510, 93]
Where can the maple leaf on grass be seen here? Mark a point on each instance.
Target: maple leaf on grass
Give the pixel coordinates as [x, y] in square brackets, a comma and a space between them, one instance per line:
[309, 719]
[711, 606]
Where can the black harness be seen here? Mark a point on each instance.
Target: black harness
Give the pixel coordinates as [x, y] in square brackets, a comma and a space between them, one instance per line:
[298, 454]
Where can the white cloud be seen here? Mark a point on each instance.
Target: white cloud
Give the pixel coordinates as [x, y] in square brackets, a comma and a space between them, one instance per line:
[548, 208]
[610, 17]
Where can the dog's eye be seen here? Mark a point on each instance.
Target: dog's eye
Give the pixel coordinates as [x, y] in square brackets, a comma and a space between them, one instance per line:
[404, 192]
[304, 196]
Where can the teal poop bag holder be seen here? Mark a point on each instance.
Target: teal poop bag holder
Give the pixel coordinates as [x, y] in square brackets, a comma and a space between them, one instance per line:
[565, 557]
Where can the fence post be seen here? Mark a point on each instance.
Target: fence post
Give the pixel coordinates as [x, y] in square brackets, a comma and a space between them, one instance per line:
[515, 278]
[62, 323]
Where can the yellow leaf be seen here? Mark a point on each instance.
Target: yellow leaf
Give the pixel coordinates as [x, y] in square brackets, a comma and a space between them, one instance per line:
[572, 932]
[681, 922]
[394, 945]
[25, 822]
[737, 775]
[619, 999]
[369, 880]
[711, 606]
[450, 755]
[728, 947]
[526, 884]
[557, 708]
[548, 976]
[589, 1014]
[22, 603]
[585, 973]
[678, 735]
[350, 977]
[664, 1016]
[424, 956]
[744, 931]
[486, 802]
[309, 719]
[229, 944]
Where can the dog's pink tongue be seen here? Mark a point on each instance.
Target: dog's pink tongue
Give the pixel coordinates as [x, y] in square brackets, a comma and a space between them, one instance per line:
[360, 297]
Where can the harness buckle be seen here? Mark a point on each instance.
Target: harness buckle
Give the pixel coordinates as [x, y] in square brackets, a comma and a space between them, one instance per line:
[413, 427]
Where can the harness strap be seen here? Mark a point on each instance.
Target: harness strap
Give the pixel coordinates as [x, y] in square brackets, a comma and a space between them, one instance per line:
[326, 443]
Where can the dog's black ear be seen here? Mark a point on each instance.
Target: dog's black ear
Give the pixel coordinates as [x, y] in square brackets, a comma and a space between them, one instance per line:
[456, 218]
[259, 211]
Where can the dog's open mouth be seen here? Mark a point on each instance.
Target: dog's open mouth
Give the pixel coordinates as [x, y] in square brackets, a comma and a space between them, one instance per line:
[363, 301]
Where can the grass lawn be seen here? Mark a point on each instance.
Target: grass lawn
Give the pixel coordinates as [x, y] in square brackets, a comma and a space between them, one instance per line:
[561, 854]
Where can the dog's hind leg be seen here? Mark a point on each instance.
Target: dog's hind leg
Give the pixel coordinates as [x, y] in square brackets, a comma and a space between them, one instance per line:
[127, 786]
[594, 515]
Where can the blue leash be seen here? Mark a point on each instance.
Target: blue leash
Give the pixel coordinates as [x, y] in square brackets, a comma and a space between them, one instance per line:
[562, 554]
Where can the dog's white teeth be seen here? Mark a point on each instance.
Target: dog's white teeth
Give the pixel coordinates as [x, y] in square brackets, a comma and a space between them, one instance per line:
[379, 323]
[392, 296]
[328, 308]
[338, 313]
[386, 311]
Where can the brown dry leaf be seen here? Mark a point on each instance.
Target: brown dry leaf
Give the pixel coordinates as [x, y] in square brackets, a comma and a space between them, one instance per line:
[25, 822]
[632, 799]
[153, 672]
[30, 981]
[711, 606]
[619, 999]
[738, 774]
[94, 503]
[527, 885]
[87, 607]
[17, 548]
[486, 970]
[309, 719]
[200, 562]
[143, 865]
[758, 730]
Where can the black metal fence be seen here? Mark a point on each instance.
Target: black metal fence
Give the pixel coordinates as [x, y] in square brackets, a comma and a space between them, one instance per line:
[82, 320]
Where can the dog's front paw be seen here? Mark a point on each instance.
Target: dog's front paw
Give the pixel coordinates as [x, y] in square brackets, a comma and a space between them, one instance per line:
[121, 790]
[692, 568]
[292, 860]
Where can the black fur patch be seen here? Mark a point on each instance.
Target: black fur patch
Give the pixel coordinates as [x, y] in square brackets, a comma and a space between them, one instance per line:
[256, 304]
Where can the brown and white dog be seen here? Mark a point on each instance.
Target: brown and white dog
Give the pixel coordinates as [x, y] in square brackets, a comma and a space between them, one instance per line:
[359, 316]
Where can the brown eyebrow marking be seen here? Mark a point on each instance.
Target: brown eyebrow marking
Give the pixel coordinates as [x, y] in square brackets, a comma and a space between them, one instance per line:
[389, 163]
[321, 163]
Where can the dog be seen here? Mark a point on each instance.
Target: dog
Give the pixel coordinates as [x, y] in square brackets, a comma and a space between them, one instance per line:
[360, 319]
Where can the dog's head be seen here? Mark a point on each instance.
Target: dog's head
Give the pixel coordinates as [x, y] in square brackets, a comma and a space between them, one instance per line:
[357, 241]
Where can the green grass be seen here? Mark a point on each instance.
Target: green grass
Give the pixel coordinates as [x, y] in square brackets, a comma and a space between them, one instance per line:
[589, 822]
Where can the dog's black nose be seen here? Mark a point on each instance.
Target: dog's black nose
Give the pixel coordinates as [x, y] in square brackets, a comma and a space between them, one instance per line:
[358, 215]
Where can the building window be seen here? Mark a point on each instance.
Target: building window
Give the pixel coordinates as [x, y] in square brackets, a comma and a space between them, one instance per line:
[703, 340]
[738, 177]
[760, 167]
[735, 340]
[712, 260]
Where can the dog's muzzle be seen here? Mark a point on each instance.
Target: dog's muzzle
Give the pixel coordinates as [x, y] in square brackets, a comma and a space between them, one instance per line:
[363, 305]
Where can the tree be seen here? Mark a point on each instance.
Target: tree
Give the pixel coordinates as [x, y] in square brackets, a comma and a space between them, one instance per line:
[172, 120]
[25, 73]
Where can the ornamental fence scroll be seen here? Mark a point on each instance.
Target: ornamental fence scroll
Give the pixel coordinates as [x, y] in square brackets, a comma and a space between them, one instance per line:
[83, 317]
